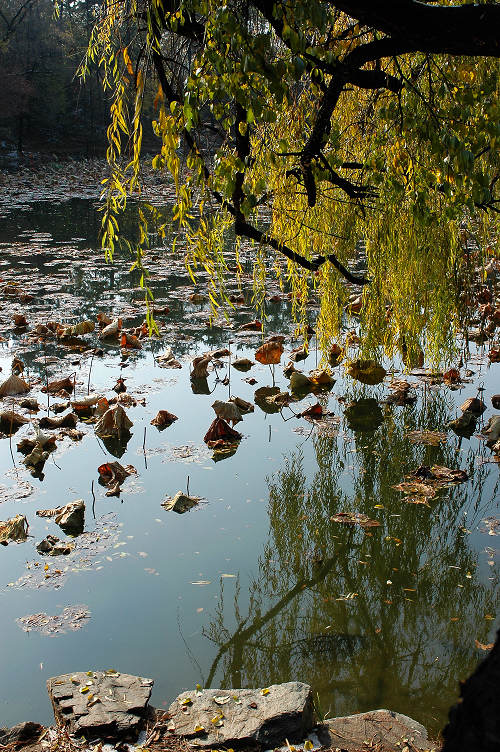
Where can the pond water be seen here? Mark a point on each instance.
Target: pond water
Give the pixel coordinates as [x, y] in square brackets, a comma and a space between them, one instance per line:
[257, 584]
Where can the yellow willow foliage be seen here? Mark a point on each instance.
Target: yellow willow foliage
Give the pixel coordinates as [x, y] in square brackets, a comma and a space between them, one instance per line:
[428, 154]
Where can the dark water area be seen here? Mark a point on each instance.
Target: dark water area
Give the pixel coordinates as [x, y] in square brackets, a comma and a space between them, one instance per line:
[256, 585]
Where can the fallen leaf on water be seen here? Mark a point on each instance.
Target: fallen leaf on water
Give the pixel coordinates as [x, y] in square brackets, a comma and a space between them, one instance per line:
[354, 518]
[14, 529]
[72, 618]
[114, 422]
[13, 385]
[130, 341]
[366, 371]
[228, 411]
[427, 437]
[251, 326]
[220, 430]
[112, 475]
[200, 367]
[482, 646]
[269, 353]
[163, 419]
[56, 386]
[242, 364]
[11, 421]
[181, 503]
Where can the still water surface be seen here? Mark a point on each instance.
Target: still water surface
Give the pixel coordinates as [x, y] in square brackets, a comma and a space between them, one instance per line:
[256, 585]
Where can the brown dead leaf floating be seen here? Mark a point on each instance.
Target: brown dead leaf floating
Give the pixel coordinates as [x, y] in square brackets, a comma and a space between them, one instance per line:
[53, 387]
[200, 367]
[242, 405]
[12, 386]
[433, 438]
[242, 364]
[15, 529]
[220, 431]
[112, 330]
[114, 422]
[354, 518]
[180, 503]
[270, 352]
[112, 475]
[69, 517]
[423, 483]
[366, 371]
[11, 421]
[163, 419]
[63, 421]
[228, 411]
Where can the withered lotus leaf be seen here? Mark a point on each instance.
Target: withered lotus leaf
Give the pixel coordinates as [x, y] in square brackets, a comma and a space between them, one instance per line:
[10, 421]
[354, 518]
[321, 377]
[63, 421]
[269, 353]
[315, 411]
[113, 422]
[473, 405]
[112, 472]
[452, 375]
[111, 330]
[15, 529]
[130, 341]
[219, 429]
[200, 366]
[163, 419]
[13, 385]
[366, 371]
[251, 326]
[335, 355]
[83, 327]
[227, 410]
[56, 386]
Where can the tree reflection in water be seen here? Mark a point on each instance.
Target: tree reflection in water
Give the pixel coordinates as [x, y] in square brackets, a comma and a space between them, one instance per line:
[382, 617]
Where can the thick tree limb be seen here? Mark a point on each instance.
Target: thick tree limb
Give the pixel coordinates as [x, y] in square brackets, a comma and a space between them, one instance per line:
[453, 29]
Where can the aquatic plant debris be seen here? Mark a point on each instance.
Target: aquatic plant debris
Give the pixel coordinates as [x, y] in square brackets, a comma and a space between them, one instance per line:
[70, 619]
[354, 518]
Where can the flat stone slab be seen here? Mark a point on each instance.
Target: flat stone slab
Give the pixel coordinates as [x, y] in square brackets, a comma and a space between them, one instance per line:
[101, 704]
[391, 731]
[236, 717]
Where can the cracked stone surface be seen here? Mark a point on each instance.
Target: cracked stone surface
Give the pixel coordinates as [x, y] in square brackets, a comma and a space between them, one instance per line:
[392, 731]
[214, 717]
[100, 703]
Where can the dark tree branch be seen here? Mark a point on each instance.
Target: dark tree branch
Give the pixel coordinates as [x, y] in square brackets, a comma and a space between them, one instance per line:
[454, 30]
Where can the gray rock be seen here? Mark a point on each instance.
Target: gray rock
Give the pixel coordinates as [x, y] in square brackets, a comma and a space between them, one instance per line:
[100, 704]
[234, 717]
[391, 731]
[21, 733]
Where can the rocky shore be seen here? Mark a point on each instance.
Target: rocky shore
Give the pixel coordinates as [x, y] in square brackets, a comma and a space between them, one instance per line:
[106, 710]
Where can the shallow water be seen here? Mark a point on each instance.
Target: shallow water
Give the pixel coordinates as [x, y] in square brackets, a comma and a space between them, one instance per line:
[256, 585]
